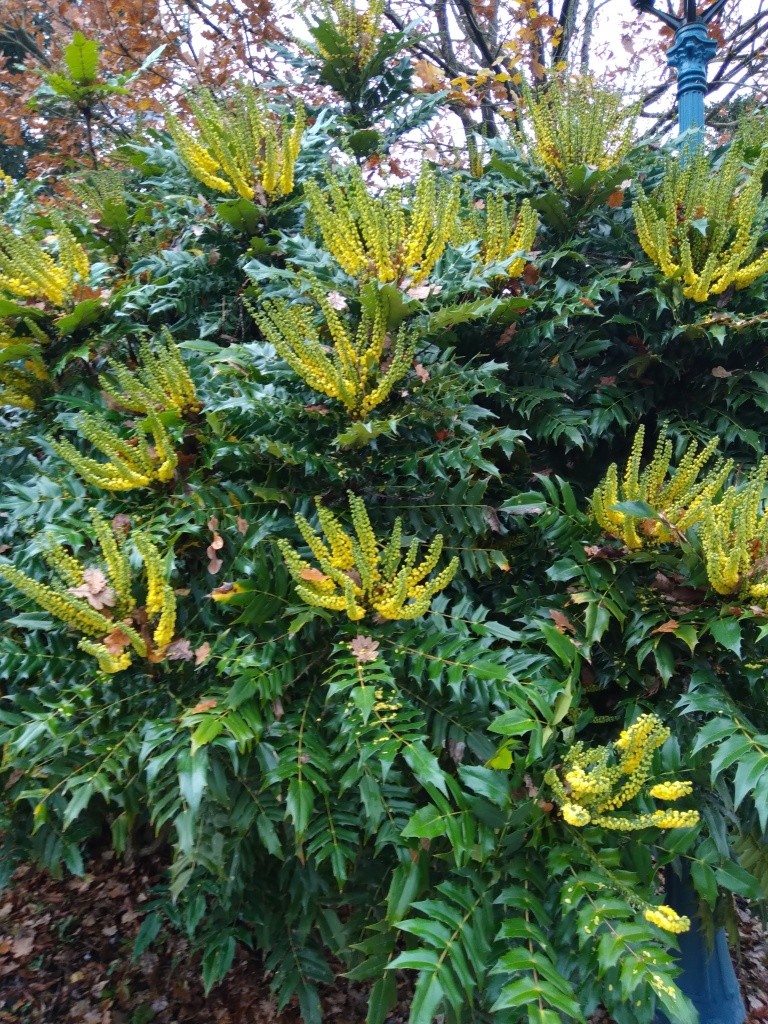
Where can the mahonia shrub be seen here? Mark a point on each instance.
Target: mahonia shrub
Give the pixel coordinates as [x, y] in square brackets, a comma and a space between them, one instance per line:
[703, 225]
[321, 567]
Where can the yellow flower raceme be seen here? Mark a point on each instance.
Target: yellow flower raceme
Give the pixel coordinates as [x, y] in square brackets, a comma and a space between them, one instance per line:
[103, 194]
[359, 576]
[681, 498]
[380, 237]
[671, 790]
[241, 148]
[360, 29]
[594, 782]
[502, 230]
[28, 271]
[358, 368]
[130, 464]
[703, 224]
[161, 383]
[668, 919]
[100, 604]
[734, 539]
[23, 372]
[574, 121]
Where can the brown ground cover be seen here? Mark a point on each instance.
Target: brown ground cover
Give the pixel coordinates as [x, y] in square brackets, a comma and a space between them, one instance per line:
[65, 958]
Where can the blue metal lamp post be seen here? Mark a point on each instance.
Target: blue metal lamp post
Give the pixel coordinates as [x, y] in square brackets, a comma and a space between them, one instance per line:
[690, 55]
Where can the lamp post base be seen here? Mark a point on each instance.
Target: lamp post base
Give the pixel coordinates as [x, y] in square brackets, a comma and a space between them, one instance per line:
[708, 977]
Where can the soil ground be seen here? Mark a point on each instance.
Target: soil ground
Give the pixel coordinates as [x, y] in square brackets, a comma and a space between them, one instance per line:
[65, 958]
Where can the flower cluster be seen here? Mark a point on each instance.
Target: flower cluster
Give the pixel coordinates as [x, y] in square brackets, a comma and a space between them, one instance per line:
[23, 373]
[28, 271]
[355, 369]
[378, 237]
[576, 122]
[242, 148]
[668, 919]
[702, 226]
[104, 195]
[161, 383]
[595, 781]
[680, 500]
[503, 231]
[734, 539]
[130, 464]
[358, 575]
[99, 602]
[360, 30]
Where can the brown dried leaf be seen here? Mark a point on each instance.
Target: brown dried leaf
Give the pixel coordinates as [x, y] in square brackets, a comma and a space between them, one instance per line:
[313, 575]
[667, 627]
[204, 705]
[202, 653]
[530, 274]
[364, 648]
[721, 372]
[337, 301]
[116, 641]
[242, 525]
[431, 76]
[421, 372]
[121, 524]
[179, 650]
[23, 944]
[95, 590]
[562, 622]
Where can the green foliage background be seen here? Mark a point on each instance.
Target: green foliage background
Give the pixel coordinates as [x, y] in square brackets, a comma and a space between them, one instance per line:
[391, 814]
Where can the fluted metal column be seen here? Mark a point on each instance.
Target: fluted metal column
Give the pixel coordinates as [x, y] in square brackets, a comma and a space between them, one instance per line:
[690, 55]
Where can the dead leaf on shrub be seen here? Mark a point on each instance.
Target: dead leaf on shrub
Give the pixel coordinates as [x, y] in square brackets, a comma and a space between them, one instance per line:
[116, 641]
[95, 590]
[667, 627]
[179, 650]
[201, 654]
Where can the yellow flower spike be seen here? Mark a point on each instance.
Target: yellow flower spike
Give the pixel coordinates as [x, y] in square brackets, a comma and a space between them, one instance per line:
[681, 498]
[117, 562]
[734, 539]
[129, 464]
[368, 242]
[160, 384]
[351, 370]
[155, 570]
[667, 919]
[73, 611]
[575, 815]
[502, 231]
[65, 565]
[100, 604]
[360, 29]
[703, 224]
[241, 147]
[594, 782]
[109, 663]
[575, 121]
[377, 581]
[28, 271]
[166, 626]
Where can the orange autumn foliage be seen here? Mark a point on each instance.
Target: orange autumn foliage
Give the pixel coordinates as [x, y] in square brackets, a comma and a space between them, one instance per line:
[210, 42]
